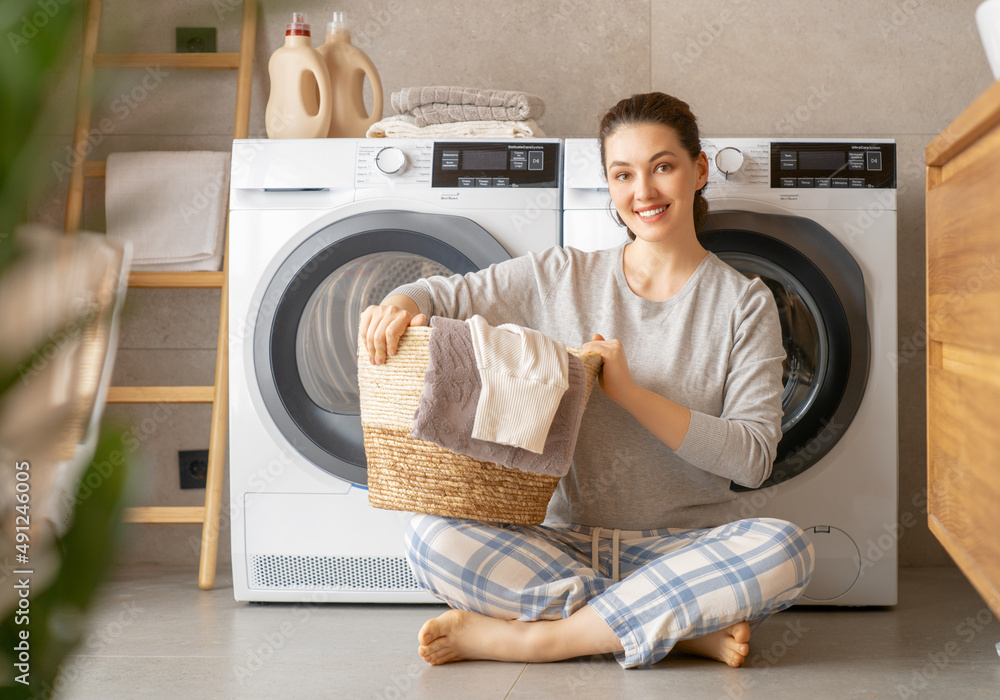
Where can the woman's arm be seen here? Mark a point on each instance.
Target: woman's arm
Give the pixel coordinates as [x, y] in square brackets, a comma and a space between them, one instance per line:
[741, 443]
[665, 419]
[508, 292]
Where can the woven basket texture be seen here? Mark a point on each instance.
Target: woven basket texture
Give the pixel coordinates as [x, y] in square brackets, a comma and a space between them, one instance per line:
[413, 475]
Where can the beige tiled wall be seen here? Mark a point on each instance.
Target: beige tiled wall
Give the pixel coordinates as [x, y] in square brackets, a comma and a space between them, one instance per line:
[899, 69]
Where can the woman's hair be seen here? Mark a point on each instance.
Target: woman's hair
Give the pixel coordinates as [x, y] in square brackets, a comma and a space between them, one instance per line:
[656, 108]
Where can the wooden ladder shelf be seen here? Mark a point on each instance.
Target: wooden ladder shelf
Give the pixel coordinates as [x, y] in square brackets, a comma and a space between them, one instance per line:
[217, 394]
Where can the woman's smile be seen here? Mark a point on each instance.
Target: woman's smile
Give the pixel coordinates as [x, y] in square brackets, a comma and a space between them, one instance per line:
[652, 214]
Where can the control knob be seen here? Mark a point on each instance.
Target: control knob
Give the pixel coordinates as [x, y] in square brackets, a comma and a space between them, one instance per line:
[391, 160]
[729, 160]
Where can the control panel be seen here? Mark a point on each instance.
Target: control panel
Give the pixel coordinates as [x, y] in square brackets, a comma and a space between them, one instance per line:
[464, 164]
[833, 165]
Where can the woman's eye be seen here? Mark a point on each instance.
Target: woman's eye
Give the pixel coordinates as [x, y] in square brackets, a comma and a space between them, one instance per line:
[664, 167]
[621, 177]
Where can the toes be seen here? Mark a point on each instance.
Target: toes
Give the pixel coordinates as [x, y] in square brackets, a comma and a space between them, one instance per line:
[437, 656]
[426, 635]
[740, 632]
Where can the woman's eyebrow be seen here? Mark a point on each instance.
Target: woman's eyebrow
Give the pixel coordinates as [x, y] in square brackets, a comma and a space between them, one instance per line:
[651, 159]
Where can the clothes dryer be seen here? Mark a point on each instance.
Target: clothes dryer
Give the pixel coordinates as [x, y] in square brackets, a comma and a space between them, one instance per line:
[320, 229]
[816, 220]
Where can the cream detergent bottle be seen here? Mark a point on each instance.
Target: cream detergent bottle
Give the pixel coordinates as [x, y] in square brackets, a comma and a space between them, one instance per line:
[300, 103]
[348, 65]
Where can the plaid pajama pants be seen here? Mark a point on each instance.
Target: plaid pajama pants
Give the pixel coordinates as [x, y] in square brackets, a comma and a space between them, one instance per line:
[654, 588]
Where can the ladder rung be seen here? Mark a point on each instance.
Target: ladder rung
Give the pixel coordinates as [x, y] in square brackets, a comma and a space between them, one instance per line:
[95, 168]
[176, 280]
[165, 514]
[195, 61]
[161, 394]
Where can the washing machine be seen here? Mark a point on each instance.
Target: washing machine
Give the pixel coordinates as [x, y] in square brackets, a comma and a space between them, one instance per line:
[815, 219]
[320, 229]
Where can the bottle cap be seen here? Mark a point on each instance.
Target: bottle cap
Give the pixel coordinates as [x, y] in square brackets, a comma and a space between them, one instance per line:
[339, 23]
[298, 26]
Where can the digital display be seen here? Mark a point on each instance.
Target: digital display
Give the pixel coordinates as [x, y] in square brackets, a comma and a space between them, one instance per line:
[827, 161]
[484, 160]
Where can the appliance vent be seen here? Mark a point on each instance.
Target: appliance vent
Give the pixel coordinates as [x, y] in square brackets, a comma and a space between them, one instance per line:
[331, 573]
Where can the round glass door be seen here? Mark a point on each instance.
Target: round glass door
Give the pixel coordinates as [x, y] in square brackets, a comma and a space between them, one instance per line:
[326, 345]
[819, 291]
[305, 336]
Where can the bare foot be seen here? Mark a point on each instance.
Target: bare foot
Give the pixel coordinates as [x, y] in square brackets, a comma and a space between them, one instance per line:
[730, 645]
[458, 634]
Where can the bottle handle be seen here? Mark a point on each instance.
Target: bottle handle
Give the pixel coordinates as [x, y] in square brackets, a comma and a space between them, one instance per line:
[325, 107]
[376, 81]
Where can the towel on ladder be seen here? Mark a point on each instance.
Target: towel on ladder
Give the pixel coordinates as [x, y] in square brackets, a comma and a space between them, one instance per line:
[171, 206]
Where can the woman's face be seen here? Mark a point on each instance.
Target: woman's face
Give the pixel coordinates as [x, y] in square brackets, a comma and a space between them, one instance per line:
[653, 180]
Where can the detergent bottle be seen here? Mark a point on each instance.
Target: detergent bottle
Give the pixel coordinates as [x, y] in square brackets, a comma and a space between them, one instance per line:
[300, 103]
[348, 65]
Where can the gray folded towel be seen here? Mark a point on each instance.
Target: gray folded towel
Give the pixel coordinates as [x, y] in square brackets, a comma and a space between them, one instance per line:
[443, 105]
[447, 408]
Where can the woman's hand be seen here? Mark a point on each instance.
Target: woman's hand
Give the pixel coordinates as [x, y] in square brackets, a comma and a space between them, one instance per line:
[667, 420]
[383, 326]
[616, 380]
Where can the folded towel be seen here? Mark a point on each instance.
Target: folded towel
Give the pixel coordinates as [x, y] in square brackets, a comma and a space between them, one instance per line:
[171, 206]
[442, 104]
[402, 126]
[447, 407]
[524, 376]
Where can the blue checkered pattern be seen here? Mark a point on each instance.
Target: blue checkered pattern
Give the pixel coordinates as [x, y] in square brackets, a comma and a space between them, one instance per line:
[675, 584]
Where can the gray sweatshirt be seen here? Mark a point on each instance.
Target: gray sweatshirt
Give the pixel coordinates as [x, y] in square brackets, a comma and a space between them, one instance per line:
[714, 347]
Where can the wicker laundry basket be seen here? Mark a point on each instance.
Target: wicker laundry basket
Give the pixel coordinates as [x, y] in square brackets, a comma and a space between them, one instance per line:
[413, 475]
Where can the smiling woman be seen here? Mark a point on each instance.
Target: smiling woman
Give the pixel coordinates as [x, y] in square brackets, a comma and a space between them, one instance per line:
[652, 558]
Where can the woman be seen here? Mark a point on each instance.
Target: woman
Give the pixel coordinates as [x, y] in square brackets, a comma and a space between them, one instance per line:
[638, 554]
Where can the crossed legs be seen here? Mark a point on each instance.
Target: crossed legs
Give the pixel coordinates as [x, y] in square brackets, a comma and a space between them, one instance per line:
[522, 594]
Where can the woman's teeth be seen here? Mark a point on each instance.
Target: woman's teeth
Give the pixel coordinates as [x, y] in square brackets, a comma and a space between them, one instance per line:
[651, 212]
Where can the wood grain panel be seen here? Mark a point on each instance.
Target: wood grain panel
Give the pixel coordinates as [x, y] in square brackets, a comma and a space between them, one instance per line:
[963, 255]
[963, 329]
[981, 116]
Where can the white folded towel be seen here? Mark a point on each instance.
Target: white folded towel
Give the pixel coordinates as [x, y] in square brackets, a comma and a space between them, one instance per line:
[404, 126]
[171, 206]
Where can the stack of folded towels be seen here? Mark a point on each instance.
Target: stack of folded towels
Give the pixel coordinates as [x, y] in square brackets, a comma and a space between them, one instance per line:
[456, 112]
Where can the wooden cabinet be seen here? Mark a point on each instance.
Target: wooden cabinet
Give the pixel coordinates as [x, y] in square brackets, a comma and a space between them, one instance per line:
[963, 336]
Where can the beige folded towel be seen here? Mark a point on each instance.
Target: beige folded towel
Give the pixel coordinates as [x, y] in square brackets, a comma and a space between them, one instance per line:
[402, 126]
[442, 104]
[171, 206]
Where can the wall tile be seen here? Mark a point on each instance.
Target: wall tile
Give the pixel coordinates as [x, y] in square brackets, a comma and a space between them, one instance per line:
[819, 68]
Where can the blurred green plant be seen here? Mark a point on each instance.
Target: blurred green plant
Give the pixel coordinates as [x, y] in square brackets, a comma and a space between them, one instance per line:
[36, 49]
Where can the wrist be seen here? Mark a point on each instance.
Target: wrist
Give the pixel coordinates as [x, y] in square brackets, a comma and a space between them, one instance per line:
[401, 301]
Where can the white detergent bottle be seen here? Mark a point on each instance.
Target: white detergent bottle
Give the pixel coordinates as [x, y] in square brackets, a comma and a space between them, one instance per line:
[348, 65]
[300, 103]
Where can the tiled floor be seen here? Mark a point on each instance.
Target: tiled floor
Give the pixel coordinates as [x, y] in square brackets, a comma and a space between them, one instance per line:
[156, 635]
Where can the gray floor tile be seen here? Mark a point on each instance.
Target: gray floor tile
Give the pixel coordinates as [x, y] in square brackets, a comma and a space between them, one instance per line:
[154, 634]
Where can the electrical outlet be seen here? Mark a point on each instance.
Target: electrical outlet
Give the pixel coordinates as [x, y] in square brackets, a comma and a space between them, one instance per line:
[193, 468]
[195, 39]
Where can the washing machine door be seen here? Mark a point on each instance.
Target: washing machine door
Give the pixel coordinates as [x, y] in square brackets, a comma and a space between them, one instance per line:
[305, 334]
[820, 292]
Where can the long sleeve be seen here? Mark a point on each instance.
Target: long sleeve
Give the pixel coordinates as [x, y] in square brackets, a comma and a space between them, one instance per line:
[514, 291]
[741, 443]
